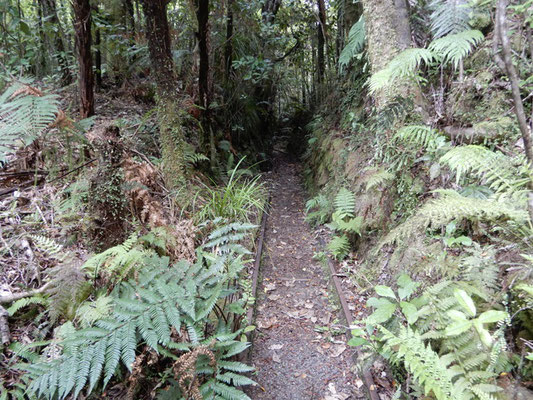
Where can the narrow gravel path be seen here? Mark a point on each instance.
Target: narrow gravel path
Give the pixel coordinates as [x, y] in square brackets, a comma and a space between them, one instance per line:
[297, 350]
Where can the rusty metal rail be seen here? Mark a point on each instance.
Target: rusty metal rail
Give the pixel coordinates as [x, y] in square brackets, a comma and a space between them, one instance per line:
[365, 374]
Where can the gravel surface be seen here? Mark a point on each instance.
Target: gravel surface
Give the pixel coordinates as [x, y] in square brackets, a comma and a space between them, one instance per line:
[297, 349]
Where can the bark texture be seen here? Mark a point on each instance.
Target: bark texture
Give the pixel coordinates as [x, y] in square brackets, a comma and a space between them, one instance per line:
[387, 32]
[82, 27]
[170, 110]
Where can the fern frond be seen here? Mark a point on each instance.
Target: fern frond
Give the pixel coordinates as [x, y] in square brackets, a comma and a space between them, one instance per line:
[449, 17]
[25, 113]
[493, 168]
[377, 178]
[339, 246]
[48, 246]
[455, 47]
[404, 65]
[21, 303]
[344, 203]
[423, 363]
[356, 42]
[451, 206]
[421, 136]
[145, 309]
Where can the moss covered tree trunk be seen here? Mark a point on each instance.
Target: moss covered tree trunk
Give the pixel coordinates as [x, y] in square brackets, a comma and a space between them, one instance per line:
[387, 32]
[169, 108]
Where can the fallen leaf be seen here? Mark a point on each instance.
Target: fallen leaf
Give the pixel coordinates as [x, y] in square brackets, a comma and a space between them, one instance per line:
[276, 358]
[337, 351]
[276, 347]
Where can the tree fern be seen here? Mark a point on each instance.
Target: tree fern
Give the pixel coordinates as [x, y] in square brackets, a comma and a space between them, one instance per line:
[147, 309]
[455, 47]
[356, 42]
[449, 17]
[25, 113]
[117, 262]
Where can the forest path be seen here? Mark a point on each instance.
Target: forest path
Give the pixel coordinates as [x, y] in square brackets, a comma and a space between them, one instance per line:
[299, 349]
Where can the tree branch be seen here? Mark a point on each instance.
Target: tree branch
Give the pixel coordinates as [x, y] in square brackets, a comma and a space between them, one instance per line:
[9, 298]
[501, 23]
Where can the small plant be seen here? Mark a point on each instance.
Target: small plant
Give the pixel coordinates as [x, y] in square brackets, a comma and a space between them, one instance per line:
[344, 221]
[447, 346]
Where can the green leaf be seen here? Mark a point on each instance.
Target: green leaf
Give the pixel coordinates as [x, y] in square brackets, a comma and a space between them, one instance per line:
[406, 286]
[457, 315]
[465, 301]
[385, 291]
[410, 311]
[484, 334]
[492, 316]
[458, 327]
[383, 312]
[357, 341]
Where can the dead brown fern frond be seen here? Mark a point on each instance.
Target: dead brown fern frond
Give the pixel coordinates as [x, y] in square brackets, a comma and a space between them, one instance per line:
[141, 179]
[185, 371]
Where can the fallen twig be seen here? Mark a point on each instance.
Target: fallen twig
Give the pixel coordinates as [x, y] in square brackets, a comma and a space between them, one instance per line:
[9, 298]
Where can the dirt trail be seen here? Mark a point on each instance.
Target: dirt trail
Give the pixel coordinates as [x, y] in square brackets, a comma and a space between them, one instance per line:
[295, 350]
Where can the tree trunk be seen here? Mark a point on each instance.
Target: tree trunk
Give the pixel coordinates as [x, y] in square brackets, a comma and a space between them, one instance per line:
[321, 36]
[82, 27]
[170, 111]
[386, 27]
[49, 11]
[228, 48]
[202, 15]
[98, 58]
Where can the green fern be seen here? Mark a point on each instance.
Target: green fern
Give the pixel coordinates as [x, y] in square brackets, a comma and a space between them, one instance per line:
[24, 117]
[344, 203]
[377, 178]
[449, 17]
[146, 309]
[356, 42]
[49, 247]
[505, 176]
[25, 302]
[322, 208]
[455, 47]
[421, 136]
[91, 311]
[117, 262]
[451, 206]
[404, 65]
[429, 370]
[339, 246]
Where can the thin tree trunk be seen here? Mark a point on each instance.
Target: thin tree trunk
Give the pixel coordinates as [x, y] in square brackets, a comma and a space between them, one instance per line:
[514, 79]
[202, 15]
[321, 36]
[82, 27]
[98, 57]
[170, 110]
[228, 48]
[49, 10]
